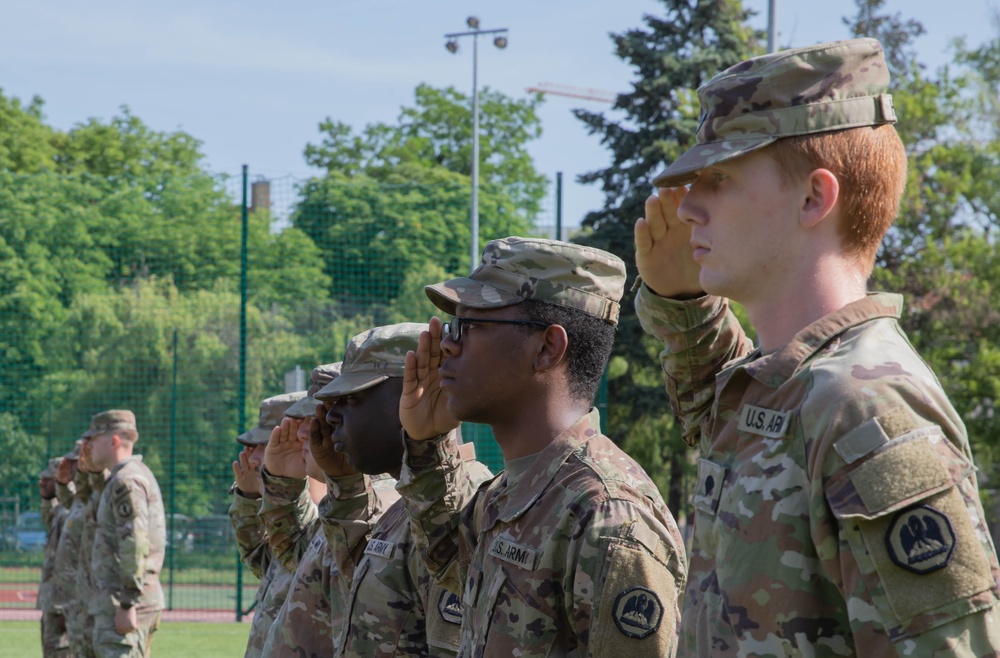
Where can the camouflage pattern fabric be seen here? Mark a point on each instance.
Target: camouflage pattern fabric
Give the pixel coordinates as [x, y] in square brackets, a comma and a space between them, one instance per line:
[313, 609]
[108, 643]
[68, 560]
[129, 548]
[515, 269]
[829, 86]
[836, 506]
[86, 580]
[289, 519]
[63, 579]
[55, 641]
[579, 557]
[393, 605]
[251, 539]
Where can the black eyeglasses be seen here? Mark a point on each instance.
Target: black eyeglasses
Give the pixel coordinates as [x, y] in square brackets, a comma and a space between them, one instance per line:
[454, 326]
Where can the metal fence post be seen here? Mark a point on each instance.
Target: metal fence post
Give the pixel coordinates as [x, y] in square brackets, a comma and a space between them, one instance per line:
[243, 363]
[173, 476]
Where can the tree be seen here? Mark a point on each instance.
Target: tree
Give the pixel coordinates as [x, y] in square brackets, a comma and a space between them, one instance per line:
[26, 143]
[676, 53]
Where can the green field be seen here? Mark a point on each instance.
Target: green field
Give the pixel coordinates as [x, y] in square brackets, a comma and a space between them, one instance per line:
[173, 640]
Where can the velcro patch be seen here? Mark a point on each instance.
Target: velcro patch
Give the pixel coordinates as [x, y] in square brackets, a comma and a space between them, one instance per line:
[450, 607]
[508, 551]
[920, 539]
[380, 548]
[708, 490]
[638, 612]
[764, 422]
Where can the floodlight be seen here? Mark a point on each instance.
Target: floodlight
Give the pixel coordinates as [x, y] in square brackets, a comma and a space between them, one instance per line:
[500, 42]
[452, 46]
[473, 22]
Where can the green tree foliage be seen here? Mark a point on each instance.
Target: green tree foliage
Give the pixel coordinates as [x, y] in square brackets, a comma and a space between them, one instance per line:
[26, 143]
[676, 51]
[395, 198]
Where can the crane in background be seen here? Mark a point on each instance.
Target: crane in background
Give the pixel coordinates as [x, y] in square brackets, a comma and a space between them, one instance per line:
[584, 93]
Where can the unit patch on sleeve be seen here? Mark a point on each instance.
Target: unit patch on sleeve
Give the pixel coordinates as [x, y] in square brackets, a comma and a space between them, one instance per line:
[920, 539]
[638, 612]
[450, 607]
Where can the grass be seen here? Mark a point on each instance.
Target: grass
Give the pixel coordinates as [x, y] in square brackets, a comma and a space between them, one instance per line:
[174, 640]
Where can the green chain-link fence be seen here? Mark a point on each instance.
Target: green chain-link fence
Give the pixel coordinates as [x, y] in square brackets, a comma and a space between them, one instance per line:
[188, 301]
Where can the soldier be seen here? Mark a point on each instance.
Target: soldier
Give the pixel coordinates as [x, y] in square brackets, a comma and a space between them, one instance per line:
[67, 566]
[63, 585]
[86, 584]
[571, 551]
[55, 642]
[251, 533]
[836, 507]
[130, 541]
[391, 605]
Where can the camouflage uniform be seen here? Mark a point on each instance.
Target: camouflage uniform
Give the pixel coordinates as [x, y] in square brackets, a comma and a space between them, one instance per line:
[86, 583]
[68, 564]
[55, 641]
[836, 506]
[129, 548]
[247, 516]
[579, 555]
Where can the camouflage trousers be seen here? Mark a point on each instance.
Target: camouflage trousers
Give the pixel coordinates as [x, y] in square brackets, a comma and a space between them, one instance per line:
[109, 643]
[80, 628]
[55, 641]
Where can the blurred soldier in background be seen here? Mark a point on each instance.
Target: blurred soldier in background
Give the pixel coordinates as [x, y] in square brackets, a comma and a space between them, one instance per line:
[130, 542]
[68, 555]
[55, 642]
[391, 604]
[251, 534]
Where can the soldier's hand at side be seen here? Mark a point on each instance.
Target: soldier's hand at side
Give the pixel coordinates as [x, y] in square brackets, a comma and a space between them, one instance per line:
[322, 446]
[663, 251]
[64, 474]
[247, 479]
[283, 456]
[423, 406]
[126, 621]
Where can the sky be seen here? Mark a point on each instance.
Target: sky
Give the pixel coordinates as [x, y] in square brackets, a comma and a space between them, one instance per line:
[253, 79]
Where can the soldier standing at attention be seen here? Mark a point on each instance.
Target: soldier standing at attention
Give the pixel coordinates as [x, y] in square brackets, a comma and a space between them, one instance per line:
[571, 550]
[251, 534]
[86, 584]
[55, 508]
[391, 605]
[63, 584]
[69, 552]
[130, 541]
[837, 511]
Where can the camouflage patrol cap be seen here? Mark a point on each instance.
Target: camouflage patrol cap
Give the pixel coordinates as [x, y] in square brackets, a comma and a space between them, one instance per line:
[372, 357]
[109, 421]
[50, 468]
[318, 378]
[272, 410]
[821, 88]
[515, 269]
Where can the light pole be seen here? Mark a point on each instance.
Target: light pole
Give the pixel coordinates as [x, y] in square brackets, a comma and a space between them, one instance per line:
[500, 41]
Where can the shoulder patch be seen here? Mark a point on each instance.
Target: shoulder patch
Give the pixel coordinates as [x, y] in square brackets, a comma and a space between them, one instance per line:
[920, 539]
[450, 607]
[638, 612]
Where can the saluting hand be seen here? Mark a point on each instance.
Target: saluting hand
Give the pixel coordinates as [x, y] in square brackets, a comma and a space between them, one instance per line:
[64, 474]
[283, 456]
[247, 479]
[423, 406]
[663, 251]
[321, 445]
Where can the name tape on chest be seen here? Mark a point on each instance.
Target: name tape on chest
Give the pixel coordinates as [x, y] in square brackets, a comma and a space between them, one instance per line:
[510, 552]
[765, 422]
[380, 548]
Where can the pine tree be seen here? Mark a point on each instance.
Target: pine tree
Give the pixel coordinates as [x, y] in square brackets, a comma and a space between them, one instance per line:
[673, 55]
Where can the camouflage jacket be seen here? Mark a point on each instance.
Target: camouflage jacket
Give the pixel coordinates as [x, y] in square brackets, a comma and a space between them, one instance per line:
[67, 564]
[251, 540]
[836, 507]
[393, 605]
[579, 557]
[63, 582]
[53, 514]
[289, 520]
[131, 539]
[86, 579]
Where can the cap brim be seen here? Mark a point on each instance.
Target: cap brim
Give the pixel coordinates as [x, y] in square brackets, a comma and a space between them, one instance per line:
[468, 292]
[683, 170]
[255, 436]
[304, 408]
[348, 383]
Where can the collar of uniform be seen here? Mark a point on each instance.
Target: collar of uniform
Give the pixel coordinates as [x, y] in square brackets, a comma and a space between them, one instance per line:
[515, 502]
[120, 465]
[776, 368]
